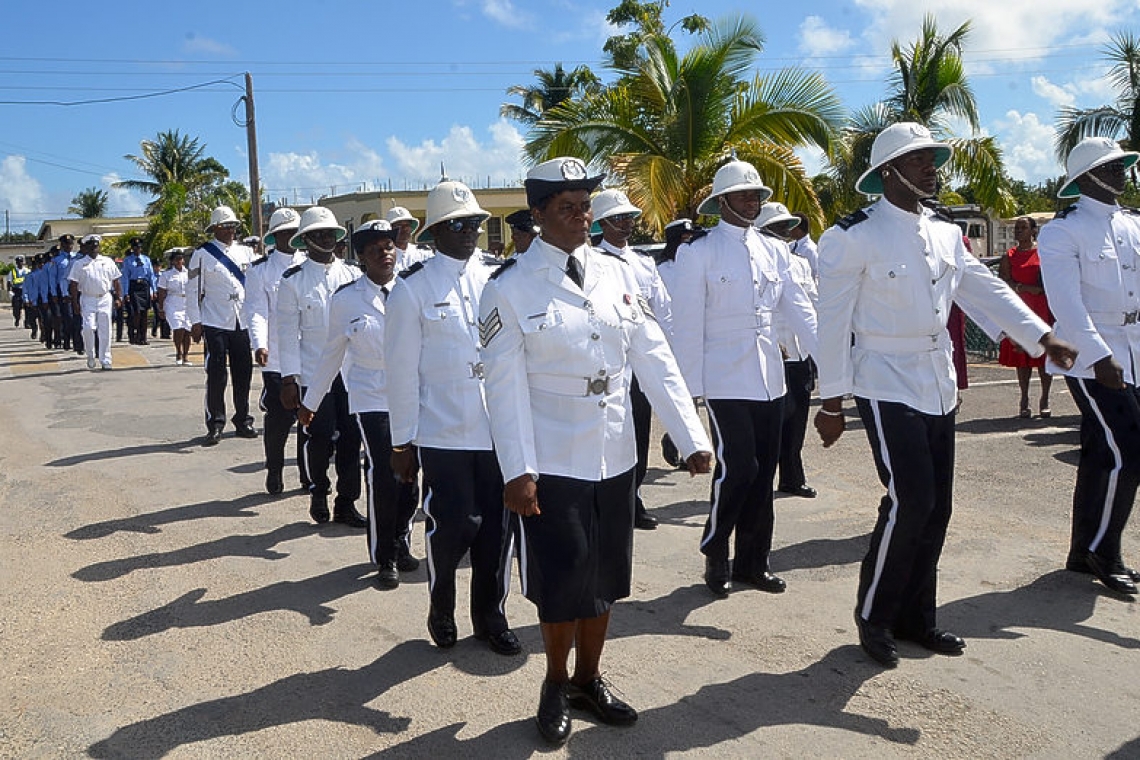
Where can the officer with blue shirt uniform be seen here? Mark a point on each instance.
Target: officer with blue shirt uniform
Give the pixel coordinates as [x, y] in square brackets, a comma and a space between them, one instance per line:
[1090, 264]
[139, 286]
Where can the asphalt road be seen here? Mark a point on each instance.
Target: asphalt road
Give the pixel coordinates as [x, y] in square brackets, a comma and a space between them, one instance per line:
[160, 604]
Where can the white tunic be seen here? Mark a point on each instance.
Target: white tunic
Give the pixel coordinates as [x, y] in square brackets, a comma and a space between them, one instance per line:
[1089, 262]
[356, 333]
[174, 282]
[431, 335]
[729, 284]
[302, 314]
[261, 284]
[94, 276]
[889, 280]
[558, 365]
[216, 296]
[800, 271]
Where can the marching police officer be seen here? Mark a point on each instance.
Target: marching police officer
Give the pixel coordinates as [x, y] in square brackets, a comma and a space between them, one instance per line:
[16, 288]
[260, 306]
[730, 283]
[217, 289]
[436, 407]
[139, 286]
[1089, 259]
[94, 289]
[302, 321]
[523, 229]
[564, 328]
[888, 275]
[407, 252]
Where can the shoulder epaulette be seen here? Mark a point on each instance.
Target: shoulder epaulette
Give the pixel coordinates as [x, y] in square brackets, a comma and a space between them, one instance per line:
[1065, 211]
[411, 270]
[607, 252]
[260, 260]
[342, 287]
[491, 260]
[851, 220]
[504, 267]
[1130, 210]
[939, 211]
[291, 271]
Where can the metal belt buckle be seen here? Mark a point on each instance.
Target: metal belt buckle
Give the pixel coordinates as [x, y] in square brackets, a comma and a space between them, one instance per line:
[1130, 317]
[234, 297]
[475, 370]
[598, 386]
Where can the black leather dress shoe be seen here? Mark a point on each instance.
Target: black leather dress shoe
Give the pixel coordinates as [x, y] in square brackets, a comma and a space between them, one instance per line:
[1133, 575]
[441, 627]
[1111, 576]
[553, 716]
[877, 642]
[319, 508]
[405, 562]
[717, 576]
[773, 584]
[347, 515]
[246, 431]
[938, 640]
[642, 520]
[803, 491]
[596, 697]
[212, 437]
[274, 482]
[504, 642]
[387, 577]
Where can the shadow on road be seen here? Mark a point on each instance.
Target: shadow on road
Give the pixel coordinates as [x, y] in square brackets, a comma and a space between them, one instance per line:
[173, 447]
[150, 521]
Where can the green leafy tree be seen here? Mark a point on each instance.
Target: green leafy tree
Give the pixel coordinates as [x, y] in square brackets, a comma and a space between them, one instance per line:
[89, 204]
[670, 121]
[647, 20]
[1120, 120]
[549, 89]
[928, 86]
[173, 160]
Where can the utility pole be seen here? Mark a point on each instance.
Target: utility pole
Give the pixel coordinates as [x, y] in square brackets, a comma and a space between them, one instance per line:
[251, 140]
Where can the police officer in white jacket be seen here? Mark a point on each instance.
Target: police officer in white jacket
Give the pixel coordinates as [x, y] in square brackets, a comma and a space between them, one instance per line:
[888, 275]
[1090, 262]
[730, 283]
[408, 252]
[564, 327]
[262, 283]
[216, 283]
[356, 341]
[615, 215]
[302, 317]
[436, 408]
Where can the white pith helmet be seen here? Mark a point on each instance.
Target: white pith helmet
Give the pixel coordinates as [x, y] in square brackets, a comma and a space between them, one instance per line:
[316, 218]
[776, 215]
[894, 141]
[611, 203]
[730, 178]
[282, 219]
[401, 214]
[222, 215]
[1087, 155]
[451, 200]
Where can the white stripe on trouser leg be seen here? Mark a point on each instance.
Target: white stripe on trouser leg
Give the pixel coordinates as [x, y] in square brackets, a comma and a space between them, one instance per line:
[885, 540]
[716, 483]
[522, 553]
[373, 532]
[427, 535]
[205, 368]
[507, 568]
[1113, 477]
[264, 395]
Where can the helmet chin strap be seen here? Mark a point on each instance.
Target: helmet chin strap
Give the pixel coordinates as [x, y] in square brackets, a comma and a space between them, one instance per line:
[1115, 193]
[727, 206]
[922, 194]
[318, 248]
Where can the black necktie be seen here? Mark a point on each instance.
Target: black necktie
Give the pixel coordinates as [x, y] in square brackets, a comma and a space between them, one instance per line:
[574, 270]
[384, 290]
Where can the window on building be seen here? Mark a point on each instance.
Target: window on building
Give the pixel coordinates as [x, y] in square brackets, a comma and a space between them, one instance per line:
[495, 230]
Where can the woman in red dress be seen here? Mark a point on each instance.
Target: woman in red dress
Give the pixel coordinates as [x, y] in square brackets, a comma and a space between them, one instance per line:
[1021, 270]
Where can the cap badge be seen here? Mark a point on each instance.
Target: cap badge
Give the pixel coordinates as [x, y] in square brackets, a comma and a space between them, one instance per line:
[573, 169]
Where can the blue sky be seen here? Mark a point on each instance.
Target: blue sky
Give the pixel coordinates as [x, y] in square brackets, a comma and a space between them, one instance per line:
[353, 94]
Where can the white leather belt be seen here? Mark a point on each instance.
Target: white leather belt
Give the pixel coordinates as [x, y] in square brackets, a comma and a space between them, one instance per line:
[902, 344]
[1117, 318]
[568, 385]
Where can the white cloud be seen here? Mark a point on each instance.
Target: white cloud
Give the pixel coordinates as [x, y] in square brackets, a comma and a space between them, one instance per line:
[19, 191]
[1027, 147]
[309, 175]
[205, 46]
[817, 38]
[120, 201]
[464, 157]
[505, 13]
[1057, 95]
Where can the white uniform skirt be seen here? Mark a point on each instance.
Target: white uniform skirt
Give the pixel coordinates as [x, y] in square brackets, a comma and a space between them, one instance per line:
[174, 309]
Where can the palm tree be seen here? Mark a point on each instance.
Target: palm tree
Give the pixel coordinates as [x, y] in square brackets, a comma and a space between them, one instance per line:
[670, 122]
[173, 159]
[1119, 121]
[552, 88]
[89, 204]
[928, 86]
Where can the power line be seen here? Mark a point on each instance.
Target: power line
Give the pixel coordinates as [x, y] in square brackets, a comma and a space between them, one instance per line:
[92, 101]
